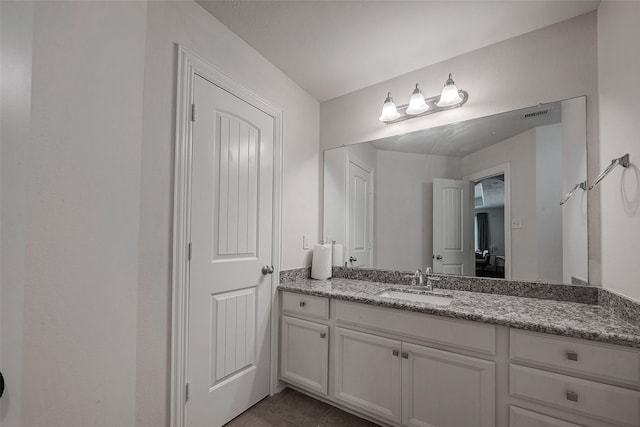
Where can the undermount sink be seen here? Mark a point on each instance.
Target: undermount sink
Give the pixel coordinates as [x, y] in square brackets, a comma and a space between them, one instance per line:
[442, 300]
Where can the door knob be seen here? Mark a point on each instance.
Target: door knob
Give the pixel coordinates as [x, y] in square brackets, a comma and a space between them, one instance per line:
[267, 269]
[438, 257]
[352, 259]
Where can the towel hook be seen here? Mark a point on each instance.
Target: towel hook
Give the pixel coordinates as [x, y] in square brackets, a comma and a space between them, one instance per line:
[622, 161]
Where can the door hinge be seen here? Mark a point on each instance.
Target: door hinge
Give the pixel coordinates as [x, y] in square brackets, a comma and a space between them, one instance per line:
[193, 112]
[189, 251]
[186, 391]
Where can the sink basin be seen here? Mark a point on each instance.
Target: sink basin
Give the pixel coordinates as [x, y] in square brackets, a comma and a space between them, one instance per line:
[442, 300]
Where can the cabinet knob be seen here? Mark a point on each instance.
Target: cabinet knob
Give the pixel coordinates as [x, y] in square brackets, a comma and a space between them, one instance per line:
[323, 334]
[302, 303]
[405, 355]
[395, 352]
[573, 397]
[572, 355]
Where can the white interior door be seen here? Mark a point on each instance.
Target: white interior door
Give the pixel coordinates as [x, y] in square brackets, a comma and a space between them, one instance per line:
[231, 235]
[453, 227]
[359, 214]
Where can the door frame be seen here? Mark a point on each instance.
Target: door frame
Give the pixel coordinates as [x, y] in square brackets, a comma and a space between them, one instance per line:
[189, 65]
[501, 169]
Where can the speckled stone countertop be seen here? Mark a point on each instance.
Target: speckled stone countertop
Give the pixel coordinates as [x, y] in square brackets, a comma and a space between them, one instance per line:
[570, 319]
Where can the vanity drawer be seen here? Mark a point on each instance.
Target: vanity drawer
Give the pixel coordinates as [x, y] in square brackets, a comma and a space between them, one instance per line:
[307, 305]
[608, 362]
[605, 402]
[478, 337]
[519, 417]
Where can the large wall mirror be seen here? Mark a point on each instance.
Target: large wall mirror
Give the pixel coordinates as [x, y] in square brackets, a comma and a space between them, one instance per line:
[475, 198]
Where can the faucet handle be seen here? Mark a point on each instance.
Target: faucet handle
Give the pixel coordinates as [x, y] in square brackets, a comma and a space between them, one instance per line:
[429, 270]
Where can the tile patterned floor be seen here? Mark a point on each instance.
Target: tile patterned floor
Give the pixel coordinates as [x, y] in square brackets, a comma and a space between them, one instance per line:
[293, 409]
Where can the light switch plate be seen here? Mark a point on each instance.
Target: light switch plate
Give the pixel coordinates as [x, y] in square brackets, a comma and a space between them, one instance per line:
[305, 242]
[516, 223]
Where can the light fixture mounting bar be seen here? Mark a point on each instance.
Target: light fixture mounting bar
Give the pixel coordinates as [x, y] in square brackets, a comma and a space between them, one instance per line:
[433, 108]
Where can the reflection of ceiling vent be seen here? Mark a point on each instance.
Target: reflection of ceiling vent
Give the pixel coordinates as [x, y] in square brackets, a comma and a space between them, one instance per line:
[535, 114]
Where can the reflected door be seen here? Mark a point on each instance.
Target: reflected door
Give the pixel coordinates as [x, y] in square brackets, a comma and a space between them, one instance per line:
[453, 227]
[231, 235]
[359, 214]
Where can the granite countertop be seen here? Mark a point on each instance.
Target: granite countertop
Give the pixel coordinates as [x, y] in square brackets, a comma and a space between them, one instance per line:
[569, 319]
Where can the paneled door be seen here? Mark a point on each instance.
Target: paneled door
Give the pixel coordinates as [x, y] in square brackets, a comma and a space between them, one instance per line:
[231, 237]
[359, 214]
[453, 227]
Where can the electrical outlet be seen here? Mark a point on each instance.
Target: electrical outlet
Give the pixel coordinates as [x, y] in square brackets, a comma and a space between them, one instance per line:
[305, 242]
[516, 223]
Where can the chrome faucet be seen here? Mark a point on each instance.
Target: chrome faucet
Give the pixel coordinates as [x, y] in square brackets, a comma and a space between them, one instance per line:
[417, 278]
[429, 273]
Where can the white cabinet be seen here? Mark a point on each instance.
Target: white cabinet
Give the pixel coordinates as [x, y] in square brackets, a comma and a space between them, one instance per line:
[605, 394]
[305, 354]
[367, 373]
[412, 384]
[444, 389]
[606, 402]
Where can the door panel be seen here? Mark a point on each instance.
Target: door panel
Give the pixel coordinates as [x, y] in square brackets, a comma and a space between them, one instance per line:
[231, 235]
[237, 190]
[359, 205]
[453, 227]
[233, 333]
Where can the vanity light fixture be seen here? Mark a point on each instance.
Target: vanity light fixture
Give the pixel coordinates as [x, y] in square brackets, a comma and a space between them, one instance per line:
[418, 106]
[450, 94]
[389, 110]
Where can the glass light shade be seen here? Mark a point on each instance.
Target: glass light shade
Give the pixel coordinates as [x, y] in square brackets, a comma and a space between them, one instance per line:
[417, 105]
[389, 110]
[450, 94]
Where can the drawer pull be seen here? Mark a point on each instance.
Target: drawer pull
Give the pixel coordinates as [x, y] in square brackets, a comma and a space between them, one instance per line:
[572, 396]
[572, 355]
[395, 352]
[405, 355]
[323, 334]
[302, 303]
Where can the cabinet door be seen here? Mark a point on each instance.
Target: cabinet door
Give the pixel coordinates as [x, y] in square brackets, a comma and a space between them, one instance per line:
[305, 354]
[367, 374]
[445, 389]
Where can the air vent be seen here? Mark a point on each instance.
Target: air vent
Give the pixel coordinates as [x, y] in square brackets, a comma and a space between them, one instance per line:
[535, 114]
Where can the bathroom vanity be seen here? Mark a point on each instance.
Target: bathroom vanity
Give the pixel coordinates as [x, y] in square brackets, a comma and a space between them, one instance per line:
[483, 360]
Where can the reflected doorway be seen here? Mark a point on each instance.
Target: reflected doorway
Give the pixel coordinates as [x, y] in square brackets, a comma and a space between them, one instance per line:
[489, 226]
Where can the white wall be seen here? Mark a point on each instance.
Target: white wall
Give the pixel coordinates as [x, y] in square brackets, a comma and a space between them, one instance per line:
[404, 213]
[15, 96]
[553, 63]
[619, 91]
[549, 173]
[520, 151]
[189, 24]
[82, 206]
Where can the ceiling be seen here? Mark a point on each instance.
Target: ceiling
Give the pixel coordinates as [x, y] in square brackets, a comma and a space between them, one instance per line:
[331, 48]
